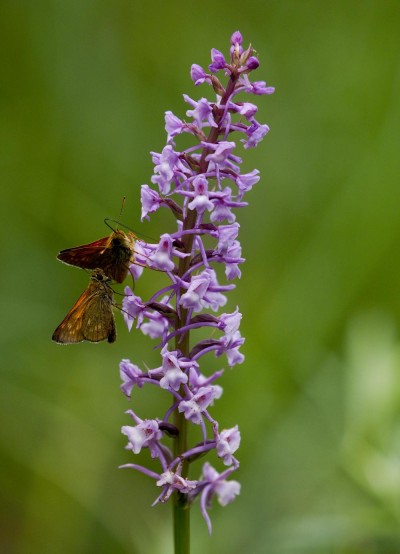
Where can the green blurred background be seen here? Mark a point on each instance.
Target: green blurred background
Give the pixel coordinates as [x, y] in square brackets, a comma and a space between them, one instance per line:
[84, 88]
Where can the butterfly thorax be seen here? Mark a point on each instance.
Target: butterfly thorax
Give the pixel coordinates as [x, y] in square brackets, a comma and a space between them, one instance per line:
[122, 246]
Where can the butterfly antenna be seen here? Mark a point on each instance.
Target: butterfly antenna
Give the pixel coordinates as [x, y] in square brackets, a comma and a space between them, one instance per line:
[117, 293]
[107, 219]
[122, 205]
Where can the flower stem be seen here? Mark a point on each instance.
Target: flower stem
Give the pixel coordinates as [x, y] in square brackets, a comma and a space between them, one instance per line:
[181, 506]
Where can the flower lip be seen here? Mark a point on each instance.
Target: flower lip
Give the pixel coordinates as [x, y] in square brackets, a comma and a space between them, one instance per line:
[198, 74]
[218, 61]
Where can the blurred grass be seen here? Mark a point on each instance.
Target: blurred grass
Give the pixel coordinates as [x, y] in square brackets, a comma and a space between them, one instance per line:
[84, 89]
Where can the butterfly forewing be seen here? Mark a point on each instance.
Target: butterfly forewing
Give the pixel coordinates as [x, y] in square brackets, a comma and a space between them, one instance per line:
[91, 318]
[113, 254]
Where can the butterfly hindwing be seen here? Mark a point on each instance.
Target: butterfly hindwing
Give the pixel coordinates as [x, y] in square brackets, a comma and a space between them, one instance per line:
[98, 321]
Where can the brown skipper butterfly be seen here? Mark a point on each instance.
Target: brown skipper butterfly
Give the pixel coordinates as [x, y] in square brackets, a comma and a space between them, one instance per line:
[112, 254]
[91, 318]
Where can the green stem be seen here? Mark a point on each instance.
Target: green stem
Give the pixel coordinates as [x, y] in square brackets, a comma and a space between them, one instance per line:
[181, 509]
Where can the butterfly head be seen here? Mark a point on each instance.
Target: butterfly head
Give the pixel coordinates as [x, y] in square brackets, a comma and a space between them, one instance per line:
[99, 276]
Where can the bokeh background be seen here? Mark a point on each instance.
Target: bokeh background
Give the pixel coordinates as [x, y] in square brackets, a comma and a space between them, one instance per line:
[84, 88]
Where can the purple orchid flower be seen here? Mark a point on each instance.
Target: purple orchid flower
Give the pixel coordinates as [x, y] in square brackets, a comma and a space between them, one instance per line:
[203, 187]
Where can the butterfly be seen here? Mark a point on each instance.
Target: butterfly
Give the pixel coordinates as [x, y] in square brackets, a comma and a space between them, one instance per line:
[112, 254]
[91, 318]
